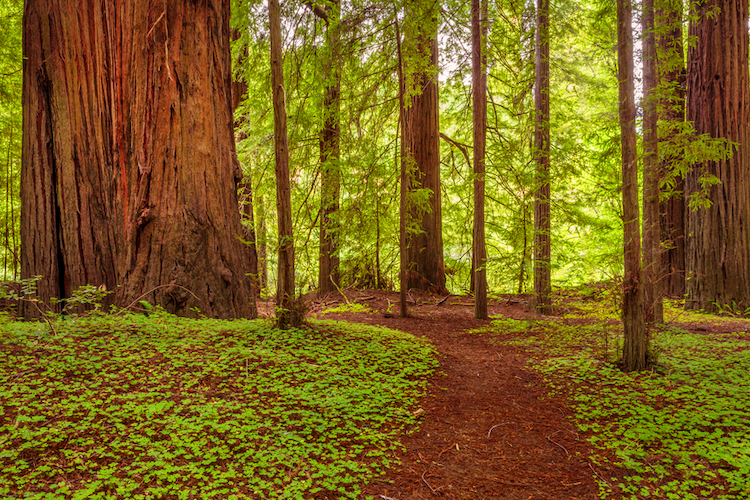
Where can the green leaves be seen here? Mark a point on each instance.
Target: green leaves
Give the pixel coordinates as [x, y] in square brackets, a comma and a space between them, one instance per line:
[138, 407]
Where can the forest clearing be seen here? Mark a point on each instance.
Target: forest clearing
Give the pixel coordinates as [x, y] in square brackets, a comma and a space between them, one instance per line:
[136, 406]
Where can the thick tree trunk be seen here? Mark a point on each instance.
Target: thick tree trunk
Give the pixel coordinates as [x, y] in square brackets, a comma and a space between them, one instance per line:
[542, 241]
[285, 312]
[422, 135]
[479, 86]
[635, 342]
[129, 176]
[718, 103]
[671, 74]
[328, 269]
[652, 283]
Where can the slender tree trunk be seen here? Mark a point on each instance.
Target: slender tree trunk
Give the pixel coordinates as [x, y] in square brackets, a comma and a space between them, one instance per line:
[250, 235]
[129, 176]
[635, 342]
[404, 177]
[542, 242]
[671, 74]
[422, 134]
[328, 269]
[285, 312]
[262, 246]
[479, 86]
[652, 283]
[718, 103]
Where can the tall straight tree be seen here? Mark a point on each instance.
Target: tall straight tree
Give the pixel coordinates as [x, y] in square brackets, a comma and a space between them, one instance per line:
[718, 103]
[671, 111]
[635, 342]
[479, 86]
[422, 136]
[328, 265]
[652, 284]
[542, 243]
[129, 176]
[285, 283]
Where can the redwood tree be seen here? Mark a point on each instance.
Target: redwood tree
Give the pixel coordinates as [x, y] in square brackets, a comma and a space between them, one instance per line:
[328, 266]
[652, 284]
[129, 176]
[422, 137]
[671, 110]
[718, 103]
[285, 284]
[634, 345]
[542, 243]
[479, 87]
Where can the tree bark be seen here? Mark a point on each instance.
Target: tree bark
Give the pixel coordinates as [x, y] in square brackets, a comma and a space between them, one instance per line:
[542, 241]
[129, 175]
[403, 177]
[422, 135]
[328, 268]
[285, 313]
[479, 87]
[718, 103]
[671, 109]
[652, 283]
[635, 342]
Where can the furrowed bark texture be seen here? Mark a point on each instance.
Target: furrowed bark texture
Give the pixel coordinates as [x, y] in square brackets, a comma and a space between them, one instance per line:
[634, 345]
[542, 242]
[129, 174]
[422, 135]
[652, 284]
[718, 103]
[479, 87]
[671, 108]
[285, 283]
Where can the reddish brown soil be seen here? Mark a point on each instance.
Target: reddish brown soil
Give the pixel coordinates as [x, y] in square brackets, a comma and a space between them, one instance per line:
[489, 428]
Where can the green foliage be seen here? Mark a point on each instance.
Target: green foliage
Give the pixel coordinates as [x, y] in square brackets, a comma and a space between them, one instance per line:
[159, 406]
[680, 431]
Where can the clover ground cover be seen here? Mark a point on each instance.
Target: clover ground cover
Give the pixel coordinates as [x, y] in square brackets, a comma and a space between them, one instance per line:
[163, 407]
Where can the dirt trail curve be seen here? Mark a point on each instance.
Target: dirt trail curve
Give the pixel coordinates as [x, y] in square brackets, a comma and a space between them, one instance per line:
[489, 430]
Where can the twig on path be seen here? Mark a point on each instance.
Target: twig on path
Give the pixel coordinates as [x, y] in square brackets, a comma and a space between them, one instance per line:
[448, 448]
[599, 475]
[494, 426]
[556, 443]
[434, 491]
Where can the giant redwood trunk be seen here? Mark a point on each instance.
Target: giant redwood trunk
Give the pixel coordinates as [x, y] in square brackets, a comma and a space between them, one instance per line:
[634, 332]
[671, 110]
[129, 176]
[718, 103]
[422, 137]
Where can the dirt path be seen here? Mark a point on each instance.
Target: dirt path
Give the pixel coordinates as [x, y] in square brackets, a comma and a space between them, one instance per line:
[489, 430]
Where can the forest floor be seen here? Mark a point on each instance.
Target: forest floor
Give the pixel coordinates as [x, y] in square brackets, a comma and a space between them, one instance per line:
[491, 428]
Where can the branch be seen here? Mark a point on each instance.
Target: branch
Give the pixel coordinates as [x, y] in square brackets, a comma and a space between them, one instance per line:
[464, 148]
